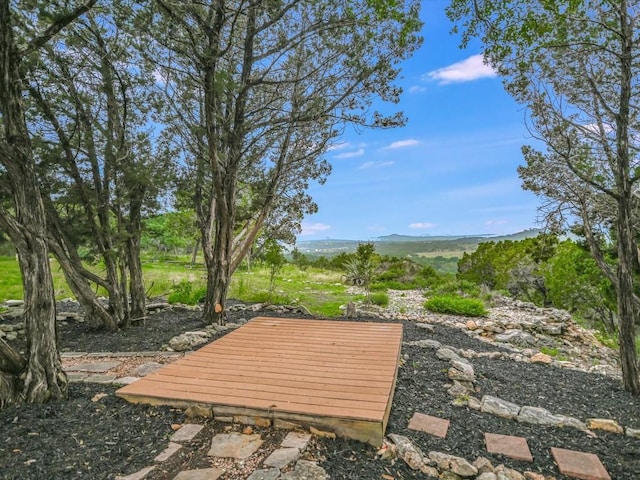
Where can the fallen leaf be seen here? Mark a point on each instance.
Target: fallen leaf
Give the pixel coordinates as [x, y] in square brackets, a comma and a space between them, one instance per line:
[98, 396]
[247, 430]
[176, 426]
[387, 477]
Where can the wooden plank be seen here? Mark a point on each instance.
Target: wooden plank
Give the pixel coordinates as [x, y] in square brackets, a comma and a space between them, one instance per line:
[333, 375]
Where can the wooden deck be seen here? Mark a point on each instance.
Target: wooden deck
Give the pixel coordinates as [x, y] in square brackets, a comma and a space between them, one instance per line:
[335, 376]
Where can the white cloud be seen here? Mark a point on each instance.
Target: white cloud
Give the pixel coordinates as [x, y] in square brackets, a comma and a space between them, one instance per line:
[472, 68]
[356, 153]
[490, 223]
[314, 228]
[338, 146]
[367, 165]
[416, 89]
[402, 144]
[422, 225]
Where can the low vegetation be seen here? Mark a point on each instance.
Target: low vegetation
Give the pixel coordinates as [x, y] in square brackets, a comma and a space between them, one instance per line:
[456, 305]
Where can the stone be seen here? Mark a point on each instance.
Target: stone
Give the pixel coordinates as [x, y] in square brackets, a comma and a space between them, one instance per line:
[541, 358]
[474, 404]
[426, 326]
[155, 306]
[471, 325]
[98, 378]
[139, 475]
[499, 407]
[322, 433]
[255, 421]
[447, 475]
[168, 452]
[428, 343]
[504, 473]
[187, 432]
[234, 445]
[446, 353]
[76, 377]
[487, 476]
[516, 337]
[457, 389]
[188, 340]
[14, 303]
[537, 416]
[533, 476]
[432, 425]
[483, 465]
[93, 367]
[411, 454]
[457, 465]
[585, 466]
[306, 470]
[282, 457]
[571, 422]
[298, 440]
[510, 446]
[198, 411]
[126, 380]
[461, 371]
[284, 425]
[605, 424]
[632, 432]
[268, 474]
[147, 368]
[200, 474]
[552, 328]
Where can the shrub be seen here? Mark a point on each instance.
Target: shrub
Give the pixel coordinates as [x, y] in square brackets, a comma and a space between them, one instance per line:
[186, 293]
[456, 305]
[379, 298]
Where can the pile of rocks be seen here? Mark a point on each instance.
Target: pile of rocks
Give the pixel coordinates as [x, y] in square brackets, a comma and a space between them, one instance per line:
[446, 466]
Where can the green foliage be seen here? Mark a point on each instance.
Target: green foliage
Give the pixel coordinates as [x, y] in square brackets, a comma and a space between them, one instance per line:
[187, 293]
[456, 305]
[274, 259]
[360, 267]
[379, 298]
[457, 287]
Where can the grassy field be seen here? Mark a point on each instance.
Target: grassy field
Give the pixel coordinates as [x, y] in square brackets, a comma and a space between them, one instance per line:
[445, 254]
[320, 291]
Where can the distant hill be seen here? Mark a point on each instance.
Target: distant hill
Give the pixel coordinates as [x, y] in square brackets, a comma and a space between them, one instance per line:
[417, 247]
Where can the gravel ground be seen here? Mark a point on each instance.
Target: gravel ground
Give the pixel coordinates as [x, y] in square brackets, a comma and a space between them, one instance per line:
[86, 437]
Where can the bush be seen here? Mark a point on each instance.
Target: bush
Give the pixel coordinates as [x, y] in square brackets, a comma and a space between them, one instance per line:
[379, 298]
[186, 293]
[456, 305]
[457, 288]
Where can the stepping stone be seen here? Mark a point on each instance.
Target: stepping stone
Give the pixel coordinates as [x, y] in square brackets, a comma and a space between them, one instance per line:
[186, 433]
[93, 367]
[76, 377]
[432, 425]
[126, 380]
[168, 452]
[305, 470]
[201, 474]
[282, 457]
[586, 466]
[147, 368]
[270, 474]
[100, 379]
[297, 440]
[513, 447]
[234, 445]
[139, 475]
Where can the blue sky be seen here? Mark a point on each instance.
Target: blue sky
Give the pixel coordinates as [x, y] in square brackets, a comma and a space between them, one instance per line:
[450, 171]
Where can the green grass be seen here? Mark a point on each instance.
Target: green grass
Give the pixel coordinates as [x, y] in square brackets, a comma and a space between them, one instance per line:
[456, 305]
[379, 298]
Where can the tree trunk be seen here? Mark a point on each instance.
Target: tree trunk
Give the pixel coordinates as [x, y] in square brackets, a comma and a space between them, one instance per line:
[136, 282]
[95, 314]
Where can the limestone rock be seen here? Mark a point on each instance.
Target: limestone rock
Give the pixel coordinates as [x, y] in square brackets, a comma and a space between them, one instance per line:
[446, 353]
[188, 340]
[234, 445]
[471, 325]
[552, 328]
[499, 407]
[537, 416]
[306, 470]
[428, 343]
[457, 465]
[541, 358]
[197, 411]
[14, 303]
[426, 326]
[632, 432]
[474, 404]
[571, 422]
[516, 337]
[483, 465]
[487, 476]
[605, 424]
[411, 454]
[282, 457]
[504, 473]
[533, 476]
